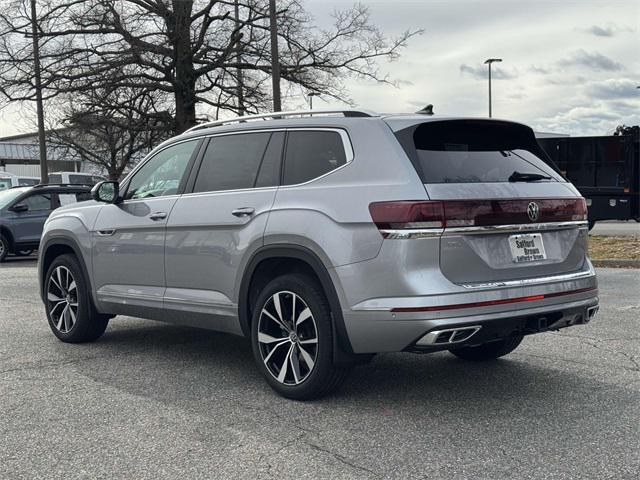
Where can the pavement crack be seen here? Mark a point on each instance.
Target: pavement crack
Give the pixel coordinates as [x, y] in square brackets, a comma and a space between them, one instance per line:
[342, 459]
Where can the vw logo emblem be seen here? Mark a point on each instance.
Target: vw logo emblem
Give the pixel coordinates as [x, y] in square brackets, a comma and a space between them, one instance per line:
[533, 210]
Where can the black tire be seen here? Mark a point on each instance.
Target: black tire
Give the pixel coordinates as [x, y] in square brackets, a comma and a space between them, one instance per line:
[86, 324]
[592, 223]
[323, 377]
[4, 247]
[488, 351]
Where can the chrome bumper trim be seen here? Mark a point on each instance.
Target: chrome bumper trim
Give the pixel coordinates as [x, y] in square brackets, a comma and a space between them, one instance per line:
[517, 227]
[531, 281]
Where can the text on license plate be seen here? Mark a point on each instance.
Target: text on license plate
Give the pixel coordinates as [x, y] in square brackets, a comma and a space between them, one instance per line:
[527, 247]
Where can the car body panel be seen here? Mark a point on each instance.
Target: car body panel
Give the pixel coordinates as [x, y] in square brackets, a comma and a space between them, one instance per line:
[128, 251]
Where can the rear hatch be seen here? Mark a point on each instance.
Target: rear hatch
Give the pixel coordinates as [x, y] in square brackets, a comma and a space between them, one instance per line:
[508, 213]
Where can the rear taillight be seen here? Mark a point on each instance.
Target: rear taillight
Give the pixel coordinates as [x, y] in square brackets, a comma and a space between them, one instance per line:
[407, 214]
[403, 215]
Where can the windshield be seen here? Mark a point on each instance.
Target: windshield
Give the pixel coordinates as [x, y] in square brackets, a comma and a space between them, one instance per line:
[8, 196]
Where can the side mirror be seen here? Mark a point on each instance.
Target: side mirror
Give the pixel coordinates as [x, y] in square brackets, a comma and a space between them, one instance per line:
[106, 192]
[21, 207]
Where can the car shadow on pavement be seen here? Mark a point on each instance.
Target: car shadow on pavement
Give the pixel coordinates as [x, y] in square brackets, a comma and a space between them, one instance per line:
[207, 371]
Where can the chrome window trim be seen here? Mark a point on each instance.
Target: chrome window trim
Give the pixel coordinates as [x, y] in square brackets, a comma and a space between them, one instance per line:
[346, 143]
[518, 227]
[565, 277]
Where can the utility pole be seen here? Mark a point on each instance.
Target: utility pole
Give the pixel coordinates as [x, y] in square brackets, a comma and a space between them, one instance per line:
[44, 173]
[275, 60]
[241, 109]
[489, 61]
[311, 95]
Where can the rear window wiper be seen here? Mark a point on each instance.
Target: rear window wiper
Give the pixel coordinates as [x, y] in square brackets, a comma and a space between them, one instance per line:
[527, 177]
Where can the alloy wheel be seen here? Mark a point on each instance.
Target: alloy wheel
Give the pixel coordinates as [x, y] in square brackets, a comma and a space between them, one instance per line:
[62, 299]
[288, 338]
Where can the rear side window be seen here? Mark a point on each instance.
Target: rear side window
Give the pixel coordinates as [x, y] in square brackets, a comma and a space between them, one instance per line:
[232, 162]
[311, 154]
[55, 178]
[474, 152]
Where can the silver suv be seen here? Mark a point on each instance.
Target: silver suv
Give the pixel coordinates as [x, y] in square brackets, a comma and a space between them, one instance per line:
[330, 237]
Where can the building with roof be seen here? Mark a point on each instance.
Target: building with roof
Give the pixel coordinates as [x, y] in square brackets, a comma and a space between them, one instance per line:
[19, 155]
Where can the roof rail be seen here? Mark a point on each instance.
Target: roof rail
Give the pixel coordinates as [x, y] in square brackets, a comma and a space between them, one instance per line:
[279, 115]
[42, 185]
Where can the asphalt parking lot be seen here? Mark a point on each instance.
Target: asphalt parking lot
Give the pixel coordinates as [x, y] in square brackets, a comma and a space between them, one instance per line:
[155, 401]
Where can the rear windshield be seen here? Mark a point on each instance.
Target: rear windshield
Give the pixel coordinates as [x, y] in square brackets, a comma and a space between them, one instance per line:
[463, 151]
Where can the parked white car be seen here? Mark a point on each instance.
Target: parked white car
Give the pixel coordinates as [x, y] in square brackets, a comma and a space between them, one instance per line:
[75, 178]
[9, 180]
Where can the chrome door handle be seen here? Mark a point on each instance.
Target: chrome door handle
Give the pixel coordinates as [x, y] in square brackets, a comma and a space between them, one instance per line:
[243, 212]
[158, 216]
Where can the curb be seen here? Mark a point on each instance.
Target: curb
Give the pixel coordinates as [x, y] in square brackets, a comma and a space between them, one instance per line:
[612, 263]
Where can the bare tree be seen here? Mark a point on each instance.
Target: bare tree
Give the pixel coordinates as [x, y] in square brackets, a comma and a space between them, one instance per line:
[111, 128]
[188, 50]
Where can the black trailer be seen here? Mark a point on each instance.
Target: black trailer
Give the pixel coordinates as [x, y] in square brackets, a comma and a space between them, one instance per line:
[606, 170]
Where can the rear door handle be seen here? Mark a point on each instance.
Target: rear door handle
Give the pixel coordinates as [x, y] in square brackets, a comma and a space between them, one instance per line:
[158, 216]
[243, 212]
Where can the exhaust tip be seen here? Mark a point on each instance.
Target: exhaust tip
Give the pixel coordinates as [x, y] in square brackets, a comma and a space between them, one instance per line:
[591, 312]
[449, 336]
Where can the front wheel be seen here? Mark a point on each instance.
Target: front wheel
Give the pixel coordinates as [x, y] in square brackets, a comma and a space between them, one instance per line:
[292, 338]
[70, 311]
[488, 351]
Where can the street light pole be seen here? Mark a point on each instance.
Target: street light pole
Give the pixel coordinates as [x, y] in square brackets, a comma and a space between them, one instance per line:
[489, 61]
[311, 95]
[44, 173]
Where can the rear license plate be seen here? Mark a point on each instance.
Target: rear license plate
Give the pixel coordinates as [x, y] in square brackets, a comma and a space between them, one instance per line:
[527, 248]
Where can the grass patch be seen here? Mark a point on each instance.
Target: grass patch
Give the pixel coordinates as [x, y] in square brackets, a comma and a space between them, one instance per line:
[615, 248]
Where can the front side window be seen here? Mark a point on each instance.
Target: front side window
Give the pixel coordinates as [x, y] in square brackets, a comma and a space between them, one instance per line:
[232, 162]
[162, 175]
[311, 154]
[39, 202]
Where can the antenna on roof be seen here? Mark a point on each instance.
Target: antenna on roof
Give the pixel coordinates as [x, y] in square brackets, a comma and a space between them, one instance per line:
[428, 110]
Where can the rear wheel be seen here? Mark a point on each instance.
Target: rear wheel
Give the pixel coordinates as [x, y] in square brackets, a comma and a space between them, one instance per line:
[4, 247]
[488, 351]
[292, 338]
[71, 314]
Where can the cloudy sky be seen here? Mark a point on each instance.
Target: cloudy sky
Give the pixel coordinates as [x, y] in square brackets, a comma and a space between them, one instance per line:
[569, 66]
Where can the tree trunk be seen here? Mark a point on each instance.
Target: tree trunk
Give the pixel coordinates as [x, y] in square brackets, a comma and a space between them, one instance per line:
[185, 75]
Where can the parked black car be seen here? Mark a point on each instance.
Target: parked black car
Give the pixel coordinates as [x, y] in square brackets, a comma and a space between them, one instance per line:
[606, 170]
[23, 211]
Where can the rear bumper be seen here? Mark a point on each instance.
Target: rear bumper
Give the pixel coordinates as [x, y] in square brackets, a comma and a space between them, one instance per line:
[399, 324]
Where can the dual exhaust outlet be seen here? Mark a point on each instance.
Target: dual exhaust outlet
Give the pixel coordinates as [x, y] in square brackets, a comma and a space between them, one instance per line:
[452, 336]
[448, 336]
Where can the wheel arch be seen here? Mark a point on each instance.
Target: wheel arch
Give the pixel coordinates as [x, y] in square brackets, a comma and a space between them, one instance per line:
[6, 233]
[343, 351]
[53, 248]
